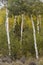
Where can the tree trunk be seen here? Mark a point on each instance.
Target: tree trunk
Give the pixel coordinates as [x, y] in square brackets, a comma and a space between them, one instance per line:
[38, 24]
[7, 31]
[22, 28]
[34, 35]
[15, 19]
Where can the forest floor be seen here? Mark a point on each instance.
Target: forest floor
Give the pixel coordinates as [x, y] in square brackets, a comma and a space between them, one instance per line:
[30, 61]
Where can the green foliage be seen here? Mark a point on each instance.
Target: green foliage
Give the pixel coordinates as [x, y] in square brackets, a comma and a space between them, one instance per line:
[3, 41]
[18, 7]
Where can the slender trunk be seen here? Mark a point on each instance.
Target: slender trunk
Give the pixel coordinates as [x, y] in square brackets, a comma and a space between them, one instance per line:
[7, 31]
[38, 23]
[15, 19]
[22, 28]
[34, 35]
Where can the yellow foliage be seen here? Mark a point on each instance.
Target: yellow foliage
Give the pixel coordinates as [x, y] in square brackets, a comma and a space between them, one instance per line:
[34, 17]
[2, 16]
[28, 21]
[18, 19]
[11, 21]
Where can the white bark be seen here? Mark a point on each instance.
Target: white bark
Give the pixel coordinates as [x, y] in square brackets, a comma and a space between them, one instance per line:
[38, 24]
[7, 31]
[15, 19]
[22, 28]
[34, 35]
[40, 20]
